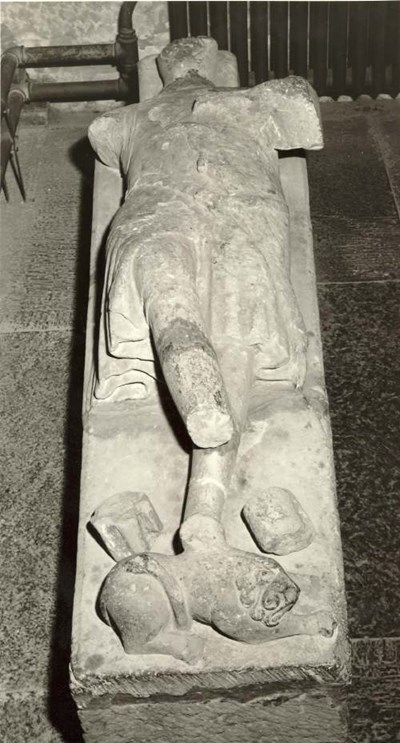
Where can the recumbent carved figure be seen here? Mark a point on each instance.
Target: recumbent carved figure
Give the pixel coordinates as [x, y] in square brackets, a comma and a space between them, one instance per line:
[197, 283]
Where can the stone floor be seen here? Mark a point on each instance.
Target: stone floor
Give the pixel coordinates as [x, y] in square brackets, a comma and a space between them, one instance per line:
[355, 204]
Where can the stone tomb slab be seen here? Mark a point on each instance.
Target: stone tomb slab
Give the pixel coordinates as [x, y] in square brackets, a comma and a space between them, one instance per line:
[287, 689]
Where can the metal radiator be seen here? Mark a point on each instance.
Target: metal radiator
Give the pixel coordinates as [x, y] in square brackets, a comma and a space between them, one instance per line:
[342, 48]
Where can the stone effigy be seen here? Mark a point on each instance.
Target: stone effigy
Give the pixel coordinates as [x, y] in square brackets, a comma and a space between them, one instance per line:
[202, 351]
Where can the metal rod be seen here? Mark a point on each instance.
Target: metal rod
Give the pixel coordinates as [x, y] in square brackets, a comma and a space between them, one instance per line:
[98, 90]
[6, 147]
[259, 40]
[393, 44]
[279, 40]
[178, 28]
[319, 44]
[16, 100]
[238, 18]
[377, 46]
[125, 18]
[14, 161]
[339, 13]
[219, 23]
[68, 56]
[198, 18]
[124, 53]
[298, 37]
[127, 51]
[358, 40]
[9, 63]
[5, 190]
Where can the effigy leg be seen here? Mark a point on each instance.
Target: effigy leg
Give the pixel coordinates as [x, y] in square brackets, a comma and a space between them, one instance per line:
[212, 469]
[186, 355]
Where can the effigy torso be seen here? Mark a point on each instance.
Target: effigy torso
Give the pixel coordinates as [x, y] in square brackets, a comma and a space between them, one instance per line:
[196, 170]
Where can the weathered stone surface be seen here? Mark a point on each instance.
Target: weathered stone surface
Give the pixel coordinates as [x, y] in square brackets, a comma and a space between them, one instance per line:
[150, 82]
[362, 359]
[355, 210]
[296, 717]
[296, 113]
[54, 298]
[242, 595]
[278, 522]
[386, 135]
[24, 716]
[353, 250]
[126, 522]
[35, 409]
[357, 185]
[192, 161]
[156, 465]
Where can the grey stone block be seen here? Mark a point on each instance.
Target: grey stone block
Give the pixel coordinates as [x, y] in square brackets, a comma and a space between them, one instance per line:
[42, 274]
[361, 350]
[277, 521]
[117, 692]
[349, 249]
[36, 408]
[357, 182]
[126, 522]
[289, 716]
[29, 717]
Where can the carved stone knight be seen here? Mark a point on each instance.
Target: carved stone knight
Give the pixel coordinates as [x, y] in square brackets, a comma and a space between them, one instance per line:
[197, 275]
[204, 217]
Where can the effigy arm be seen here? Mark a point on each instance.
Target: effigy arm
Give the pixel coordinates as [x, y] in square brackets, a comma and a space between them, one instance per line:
[283, 114]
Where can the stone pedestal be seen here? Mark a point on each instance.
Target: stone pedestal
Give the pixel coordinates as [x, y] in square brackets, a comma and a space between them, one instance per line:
[284, 690]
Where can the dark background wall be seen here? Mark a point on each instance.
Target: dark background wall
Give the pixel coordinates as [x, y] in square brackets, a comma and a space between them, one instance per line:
[341, 47]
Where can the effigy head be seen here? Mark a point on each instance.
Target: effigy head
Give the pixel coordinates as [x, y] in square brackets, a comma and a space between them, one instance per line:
[266, 591]
[183, 56]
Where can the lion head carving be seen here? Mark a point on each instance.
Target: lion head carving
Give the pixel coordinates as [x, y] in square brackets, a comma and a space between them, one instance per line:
[267, 592]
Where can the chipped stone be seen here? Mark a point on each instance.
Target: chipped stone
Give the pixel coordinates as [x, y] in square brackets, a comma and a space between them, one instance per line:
[278, 522]
[127, 523]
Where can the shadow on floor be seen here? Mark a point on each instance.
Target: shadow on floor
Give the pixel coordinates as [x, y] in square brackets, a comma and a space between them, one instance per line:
[61, 708]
